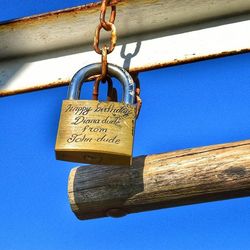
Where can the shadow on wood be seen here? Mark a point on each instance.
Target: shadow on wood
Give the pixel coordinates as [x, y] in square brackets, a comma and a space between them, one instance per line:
[110, 185]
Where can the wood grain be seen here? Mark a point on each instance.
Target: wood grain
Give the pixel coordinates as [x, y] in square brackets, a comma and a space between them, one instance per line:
[159, 181]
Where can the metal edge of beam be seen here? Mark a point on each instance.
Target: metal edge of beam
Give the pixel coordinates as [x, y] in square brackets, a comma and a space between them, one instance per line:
[35, 50]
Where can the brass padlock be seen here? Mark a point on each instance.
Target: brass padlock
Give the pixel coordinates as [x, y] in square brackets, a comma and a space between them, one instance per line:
[97, 132]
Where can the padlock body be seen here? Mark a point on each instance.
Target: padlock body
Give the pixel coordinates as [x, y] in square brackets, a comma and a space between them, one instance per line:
[96, 132]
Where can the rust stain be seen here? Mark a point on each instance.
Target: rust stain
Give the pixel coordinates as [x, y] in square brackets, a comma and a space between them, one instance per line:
[132, 70]
[149, 67]
[16, 23]
[35, 88]
[86, 9]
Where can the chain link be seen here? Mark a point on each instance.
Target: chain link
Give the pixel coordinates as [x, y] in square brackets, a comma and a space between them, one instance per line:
[110, 26]
[103, 22]
[104, 63]
[113, 39]
[107, 25]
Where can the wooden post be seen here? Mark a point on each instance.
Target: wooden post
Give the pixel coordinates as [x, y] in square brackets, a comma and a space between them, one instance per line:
[159, 181]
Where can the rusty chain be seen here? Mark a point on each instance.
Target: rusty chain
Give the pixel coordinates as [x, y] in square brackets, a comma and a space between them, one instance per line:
[110, 88]
[107, 25]
[104, 63]
[103, 22]
[113, 38]
[110, 27]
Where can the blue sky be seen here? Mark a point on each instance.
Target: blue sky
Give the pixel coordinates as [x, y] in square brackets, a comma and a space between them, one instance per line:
[199, 104]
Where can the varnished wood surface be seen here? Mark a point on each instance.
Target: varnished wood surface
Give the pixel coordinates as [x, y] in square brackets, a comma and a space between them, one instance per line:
[159, 181]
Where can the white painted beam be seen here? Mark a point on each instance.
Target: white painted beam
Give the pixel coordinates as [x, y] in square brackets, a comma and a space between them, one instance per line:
[45, 51]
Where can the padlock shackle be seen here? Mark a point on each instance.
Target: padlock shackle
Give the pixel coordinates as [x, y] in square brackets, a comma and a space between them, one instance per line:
[113, 70]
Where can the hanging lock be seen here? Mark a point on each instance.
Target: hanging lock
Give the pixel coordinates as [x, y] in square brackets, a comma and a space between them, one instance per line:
[95, 132]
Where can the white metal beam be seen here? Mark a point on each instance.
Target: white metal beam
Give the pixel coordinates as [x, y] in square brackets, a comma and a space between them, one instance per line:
[45, 51]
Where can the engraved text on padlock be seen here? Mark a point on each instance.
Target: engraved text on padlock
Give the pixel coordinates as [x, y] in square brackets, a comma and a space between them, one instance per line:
[97, 132]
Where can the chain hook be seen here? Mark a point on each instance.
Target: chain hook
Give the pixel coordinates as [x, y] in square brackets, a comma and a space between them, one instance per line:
[111, 91]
